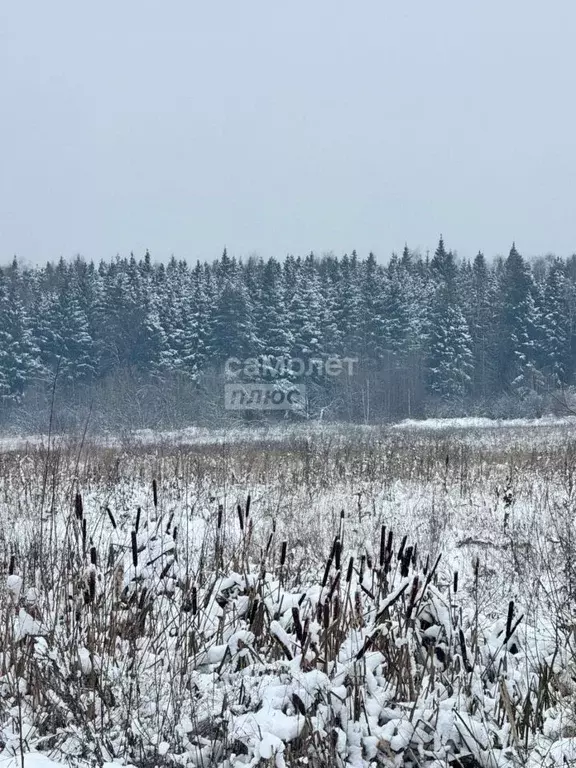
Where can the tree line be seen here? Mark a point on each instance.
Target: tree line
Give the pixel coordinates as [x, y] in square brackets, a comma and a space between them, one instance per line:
[430, 333]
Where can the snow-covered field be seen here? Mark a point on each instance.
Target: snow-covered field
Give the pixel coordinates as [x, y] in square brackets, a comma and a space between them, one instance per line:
[314, 595]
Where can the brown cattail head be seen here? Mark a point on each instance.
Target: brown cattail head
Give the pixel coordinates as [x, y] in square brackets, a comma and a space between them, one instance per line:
[194, 601]
[134, 549]
[92, 584]
[118, 581]
[406, 559]
[240, 517]
[382, 558]
[350, 568]
[402, 545]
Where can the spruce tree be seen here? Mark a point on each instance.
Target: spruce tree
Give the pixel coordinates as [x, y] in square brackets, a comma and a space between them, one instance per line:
[450, 359]
[518, 347]
[17, 351]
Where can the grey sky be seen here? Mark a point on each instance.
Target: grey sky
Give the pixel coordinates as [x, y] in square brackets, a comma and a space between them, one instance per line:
[277, 127]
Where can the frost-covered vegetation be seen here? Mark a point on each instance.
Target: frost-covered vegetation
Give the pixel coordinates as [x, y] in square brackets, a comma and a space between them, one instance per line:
[370, 598]
[143, 344]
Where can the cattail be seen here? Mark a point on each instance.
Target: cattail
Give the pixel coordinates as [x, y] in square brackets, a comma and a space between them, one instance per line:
[382, 558]
[350, 568]
[358, 605]
[83, 534]
[248, 507]
[388, 564]
[326, 571]
[509, 619]
[402, 545]
[405, 565]
[92, 585]
[194, 601]
[464, 652]
[255, 605]
[326, 615]
[367, 645]
[412, 599]
[12, 565]
[334, 546]
[335, 583]
[426, 564]
[241, 517]
[337, 553]
[169, 525]
[283, 553]
[306, 628]
[155, 492]
[297, 625]
[93, 556]
[455, 582]
[111, 516]
[78, 506]
[302, 598]
[220, 513]
[175, 533]
[118, 580]
[298, 704]
[336, 604]
[134, 550]
[138, 513]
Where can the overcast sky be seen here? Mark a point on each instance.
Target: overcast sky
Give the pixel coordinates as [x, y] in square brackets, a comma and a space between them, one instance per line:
[274, 127]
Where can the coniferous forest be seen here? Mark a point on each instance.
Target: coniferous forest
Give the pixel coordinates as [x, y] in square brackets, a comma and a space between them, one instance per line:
[135, 343]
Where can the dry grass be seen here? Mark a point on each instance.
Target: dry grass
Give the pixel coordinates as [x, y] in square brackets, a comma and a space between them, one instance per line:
[153, 596]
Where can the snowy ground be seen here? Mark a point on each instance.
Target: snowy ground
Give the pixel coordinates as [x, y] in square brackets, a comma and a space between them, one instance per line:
[467, 426]
[209, 630]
